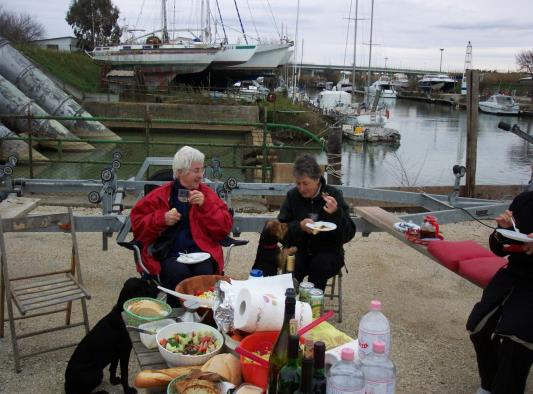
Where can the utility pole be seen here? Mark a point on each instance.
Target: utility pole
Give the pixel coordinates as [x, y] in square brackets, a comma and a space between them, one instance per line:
[295, 53]
[440, 67]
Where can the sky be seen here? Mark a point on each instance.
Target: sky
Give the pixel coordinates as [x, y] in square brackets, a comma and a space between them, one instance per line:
[406, 33]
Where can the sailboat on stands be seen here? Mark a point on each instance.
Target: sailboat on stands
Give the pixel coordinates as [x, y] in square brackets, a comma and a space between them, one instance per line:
[161, 59]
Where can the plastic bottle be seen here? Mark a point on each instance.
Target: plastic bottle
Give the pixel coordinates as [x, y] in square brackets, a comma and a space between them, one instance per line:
[345, 376]
[379, 370]
[255, 273]
[374, 326]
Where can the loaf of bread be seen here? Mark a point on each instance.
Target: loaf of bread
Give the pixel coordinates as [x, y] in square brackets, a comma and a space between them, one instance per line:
[227, 366]
[158, 377]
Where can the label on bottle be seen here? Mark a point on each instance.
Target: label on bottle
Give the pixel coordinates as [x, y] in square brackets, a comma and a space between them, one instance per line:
[379, 387]
[332, 388]
[367, 338]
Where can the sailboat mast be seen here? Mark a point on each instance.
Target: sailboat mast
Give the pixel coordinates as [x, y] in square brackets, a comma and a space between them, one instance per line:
[370, 50]
[165, 38]
[207, 27]
[295, 53]
[354, 48]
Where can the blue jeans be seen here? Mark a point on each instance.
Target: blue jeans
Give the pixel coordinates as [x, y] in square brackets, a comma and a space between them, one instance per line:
[173, 272]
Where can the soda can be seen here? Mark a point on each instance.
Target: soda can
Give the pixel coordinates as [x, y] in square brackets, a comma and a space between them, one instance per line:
[304, 291]
[290, 263]
[316, 300]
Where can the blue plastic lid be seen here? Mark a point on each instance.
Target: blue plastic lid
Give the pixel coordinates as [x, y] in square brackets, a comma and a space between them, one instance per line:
[256, 273]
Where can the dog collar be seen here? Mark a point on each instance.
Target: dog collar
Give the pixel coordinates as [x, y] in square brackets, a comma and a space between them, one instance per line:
[270, 246]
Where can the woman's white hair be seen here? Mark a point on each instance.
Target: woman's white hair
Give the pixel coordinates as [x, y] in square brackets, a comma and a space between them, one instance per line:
[184, 158]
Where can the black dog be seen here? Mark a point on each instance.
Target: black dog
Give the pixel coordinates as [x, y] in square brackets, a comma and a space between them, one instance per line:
[270, 257]
[106, 344]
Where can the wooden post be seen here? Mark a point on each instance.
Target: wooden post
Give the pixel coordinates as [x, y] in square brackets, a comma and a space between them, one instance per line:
[472, 100]
[334, 149]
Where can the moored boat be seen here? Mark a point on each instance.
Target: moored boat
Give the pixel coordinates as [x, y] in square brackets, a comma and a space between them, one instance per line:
[499, 104]
[436, 82]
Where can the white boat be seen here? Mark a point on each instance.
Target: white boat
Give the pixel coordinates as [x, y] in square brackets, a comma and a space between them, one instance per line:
[436, 82]
[344, 84]
[400, 81]
[233, 54]
[267, 56]
[384, 86]
[499, 104]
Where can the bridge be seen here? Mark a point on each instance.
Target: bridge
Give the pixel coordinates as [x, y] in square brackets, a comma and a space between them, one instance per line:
[364, 69]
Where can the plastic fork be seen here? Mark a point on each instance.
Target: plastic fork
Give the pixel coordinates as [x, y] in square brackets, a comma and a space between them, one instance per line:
[514, 225]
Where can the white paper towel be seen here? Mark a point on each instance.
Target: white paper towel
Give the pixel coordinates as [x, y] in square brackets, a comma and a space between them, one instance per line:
[260, 310]
[334, 355]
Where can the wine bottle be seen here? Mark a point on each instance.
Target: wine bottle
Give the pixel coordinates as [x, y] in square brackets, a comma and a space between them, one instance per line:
[306, 379]
[289, 374]
[319, 378]
[279, 356]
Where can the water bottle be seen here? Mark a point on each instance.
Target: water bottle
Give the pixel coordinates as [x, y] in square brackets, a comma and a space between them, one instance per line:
[379, 370]
[345, 376]
[374, 326]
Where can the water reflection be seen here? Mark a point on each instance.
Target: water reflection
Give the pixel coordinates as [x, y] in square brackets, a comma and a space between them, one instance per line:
[433, 140]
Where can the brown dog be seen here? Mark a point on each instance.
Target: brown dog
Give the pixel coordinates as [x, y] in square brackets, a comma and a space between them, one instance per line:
[270, 256]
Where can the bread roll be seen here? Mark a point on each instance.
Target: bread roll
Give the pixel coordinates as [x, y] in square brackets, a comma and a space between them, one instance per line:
[158, 377]
[227, 366]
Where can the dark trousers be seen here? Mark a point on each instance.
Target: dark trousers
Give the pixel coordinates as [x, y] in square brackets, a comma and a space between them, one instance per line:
[173, 272]
[503, 364]
[319, 267]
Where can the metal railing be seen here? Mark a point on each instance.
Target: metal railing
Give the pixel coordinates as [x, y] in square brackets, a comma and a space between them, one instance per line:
[150, 143]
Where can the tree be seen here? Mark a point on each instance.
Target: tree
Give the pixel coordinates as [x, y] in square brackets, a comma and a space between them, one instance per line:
[94, 22]
[19, 28]
[524, 60]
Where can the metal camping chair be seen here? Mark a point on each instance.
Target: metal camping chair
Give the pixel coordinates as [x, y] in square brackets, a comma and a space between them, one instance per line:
[41, 294]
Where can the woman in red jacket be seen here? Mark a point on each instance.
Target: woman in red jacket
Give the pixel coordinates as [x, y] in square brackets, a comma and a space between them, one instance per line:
[167, 226]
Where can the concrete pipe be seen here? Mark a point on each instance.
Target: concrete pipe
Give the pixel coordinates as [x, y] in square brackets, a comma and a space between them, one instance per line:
[14, 102]
[35, 84]
[8, 147]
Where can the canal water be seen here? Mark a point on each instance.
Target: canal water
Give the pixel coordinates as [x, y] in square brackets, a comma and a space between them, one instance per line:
[433, 139]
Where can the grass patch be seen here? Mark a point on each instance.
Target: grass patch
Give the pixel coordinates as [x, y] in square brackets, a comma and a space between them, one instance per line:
[75, 69]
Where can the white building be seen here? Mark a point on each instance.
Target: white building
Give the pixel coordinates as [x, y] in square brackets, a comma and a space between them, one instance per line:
[62, 44]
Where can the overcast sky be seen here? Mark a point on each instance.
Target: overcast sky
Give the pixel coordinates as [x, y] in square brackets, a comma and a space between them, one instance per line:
[409, 33]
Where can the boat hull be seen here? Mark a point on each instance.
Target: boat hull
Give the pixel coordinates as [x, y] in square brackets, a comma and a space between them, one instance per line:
[489, 109]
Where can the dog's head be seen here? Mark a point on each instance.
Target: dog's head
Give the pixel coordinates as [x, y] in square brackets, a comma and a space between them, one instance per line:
[273, 232]
[137, 287]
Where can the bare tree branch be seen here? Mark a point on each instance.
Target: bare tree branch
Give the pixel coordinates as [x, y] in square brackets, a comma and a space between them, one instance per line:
[19, 28]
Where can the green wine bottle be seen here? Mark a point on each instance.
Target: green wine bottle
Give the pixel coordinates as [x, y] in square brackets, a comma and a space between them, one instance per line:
[279, 356]
[289, 374]
[319, 378]
[306, 378]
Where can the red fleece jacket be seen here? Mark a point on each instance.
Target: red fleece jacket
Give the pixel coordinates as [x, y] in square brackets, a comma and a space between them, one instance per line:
[209, 223]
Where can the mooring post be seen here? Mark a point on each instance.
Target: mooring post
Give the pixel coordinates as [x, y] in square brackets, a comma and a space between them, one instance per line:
[472, 100]
[334, 153]
[30, 142]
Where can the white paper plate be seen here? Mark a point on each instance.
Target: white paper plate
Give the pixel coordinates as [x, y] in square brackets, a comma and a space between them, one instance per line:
[514, 235]
[193, 258]
[322, 226]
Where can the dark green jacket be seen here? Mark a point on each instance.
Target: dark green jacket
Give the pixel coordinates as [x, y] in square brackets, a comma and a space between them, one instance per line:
[295, 208]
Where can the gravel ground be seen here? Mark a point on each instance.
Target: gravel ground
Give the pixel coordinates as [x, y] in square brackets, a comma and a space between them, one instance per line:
[426, 304]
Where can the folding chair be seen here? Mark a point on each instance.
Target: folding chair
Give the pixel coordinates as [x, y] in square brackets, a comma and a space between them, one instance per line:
[334, 291]
[41, 294]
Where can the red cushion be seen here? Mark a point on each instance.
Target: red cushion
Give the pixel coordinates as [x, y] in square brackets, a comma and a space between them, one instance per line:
[450, 253]
[481, 270]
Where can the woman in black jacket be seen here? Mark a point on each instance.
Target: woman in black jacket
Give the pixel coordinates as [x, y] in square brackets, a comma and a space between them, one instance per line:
[320, 255]
[501, 324]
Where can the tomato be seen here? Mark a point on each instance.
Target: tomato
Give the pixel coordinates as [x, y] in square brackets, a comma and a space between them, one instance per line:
[236, 337]
[163, 342]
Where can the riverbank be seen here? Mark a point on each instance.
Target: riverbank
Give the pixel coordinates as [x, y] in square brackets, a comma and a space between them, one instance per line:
[426, 304]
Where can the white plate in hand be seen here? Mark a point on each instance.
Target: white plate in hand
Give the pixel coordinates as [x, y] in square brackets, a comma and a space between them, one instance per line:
[514, 235]
[193, 258]
[322, 226]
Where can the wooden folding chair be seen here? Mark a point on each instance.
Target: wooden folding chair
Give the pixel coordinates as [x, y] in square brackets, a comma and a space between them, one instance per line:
[41, 294]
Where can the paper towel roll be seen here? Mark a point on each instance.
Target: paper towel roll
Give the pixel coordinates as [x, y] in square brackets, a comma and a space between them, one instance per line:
[334, 355]
[264, 311]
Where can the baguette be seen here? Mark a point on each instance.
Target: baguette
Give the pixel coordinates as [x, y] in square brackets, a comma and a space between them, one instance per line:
[159, 377]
